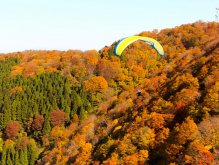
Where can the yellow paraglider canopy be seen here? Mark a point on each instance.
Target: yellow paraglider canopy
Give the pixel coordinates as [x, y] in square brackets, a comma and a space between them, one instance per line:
[127, 41]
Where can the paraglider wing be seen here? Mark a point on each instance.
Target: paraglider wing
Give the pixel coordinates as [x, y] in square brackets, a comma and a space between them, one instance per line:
[127, 41]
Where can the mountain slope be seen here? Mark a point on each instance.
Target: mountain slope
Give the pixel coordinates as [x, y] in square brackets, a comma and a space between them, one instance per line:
[92, 107]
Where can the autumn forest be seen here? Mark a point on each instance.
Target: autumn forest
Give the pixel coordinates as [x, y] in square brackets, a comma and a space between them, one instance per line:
[92, 107]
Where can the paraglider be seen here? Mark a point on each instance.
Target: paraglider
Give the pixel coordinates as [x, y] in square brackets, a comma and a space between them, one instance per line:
[121, 45]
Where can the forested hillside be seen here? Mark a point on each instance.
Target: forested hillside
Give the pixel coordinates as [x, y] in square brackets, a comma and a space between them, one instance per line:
[92, 107]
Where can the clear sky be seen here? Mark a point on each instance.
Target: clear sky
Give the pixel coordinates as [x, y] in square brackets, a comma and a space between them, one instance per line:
[91, 24]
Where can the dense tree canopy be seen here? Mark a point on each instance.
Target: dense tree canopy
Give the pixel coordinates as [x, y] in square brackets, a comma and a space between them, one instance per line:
[74, 107]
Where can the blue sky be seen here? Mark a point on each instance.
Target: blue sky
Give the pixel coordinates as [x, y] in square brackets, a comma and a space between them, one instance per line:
[90, 24]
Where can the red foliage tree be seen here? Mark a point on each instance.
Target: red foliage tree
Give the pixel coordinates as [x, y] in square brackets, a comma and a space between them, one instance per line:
[57, 117]
[12, 129]
[37, 123]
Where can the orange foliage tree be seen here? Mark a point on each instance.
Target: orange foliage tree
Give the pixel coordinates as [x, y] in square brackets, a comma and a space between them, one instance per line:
[95, 84]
